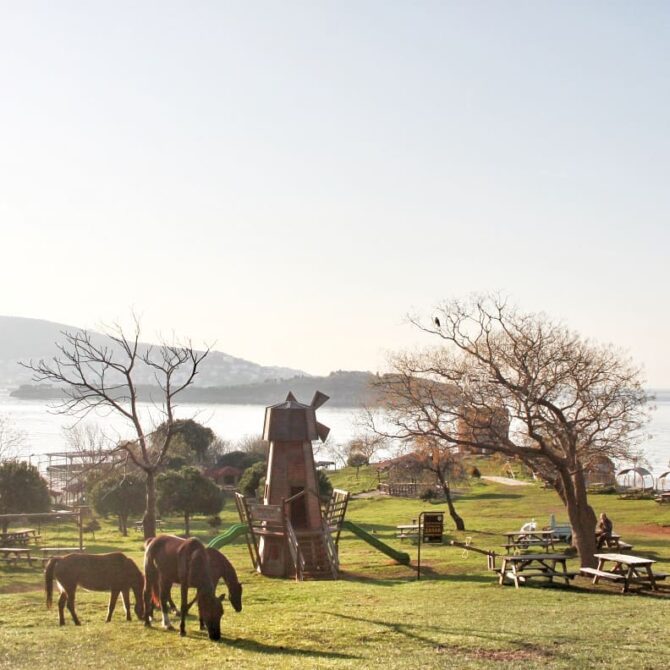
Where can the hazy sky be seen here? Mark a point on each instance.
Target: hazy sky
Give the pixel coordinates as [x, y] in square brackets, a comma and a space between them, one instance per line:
[289, 179]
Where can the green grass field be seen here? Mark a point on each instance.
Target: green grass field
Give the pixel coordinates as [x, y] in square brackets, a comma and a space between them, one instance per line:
[377, 614]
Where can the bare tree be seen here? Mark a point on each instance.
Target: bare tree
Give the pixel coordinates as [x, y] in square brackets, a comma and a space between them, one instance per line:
[366, 445]
[103, 376]
[12, 440]
[523, 386]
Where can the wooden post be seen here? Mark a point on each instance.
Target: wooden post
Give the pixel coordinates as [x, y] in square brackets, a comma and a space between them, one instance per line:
[81, 529]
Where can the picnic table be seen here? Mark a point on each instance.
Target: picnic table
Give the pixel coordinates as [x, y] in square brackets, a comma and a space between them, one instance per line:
[529, 539]
[408, 530]
[19, 536]
[139, 525]
[613, 541]
[627, 570]
[519, 568]
[13, 554]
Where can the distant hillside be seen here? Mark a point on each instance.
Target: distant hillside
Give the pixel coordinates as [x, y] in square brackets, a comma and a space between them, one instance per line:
[346, 389]
[23, 339]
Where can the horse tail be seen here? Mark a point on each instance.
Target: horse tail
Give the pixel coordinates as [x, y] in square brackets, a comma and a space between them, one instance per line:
[151, 578]
[49, 579]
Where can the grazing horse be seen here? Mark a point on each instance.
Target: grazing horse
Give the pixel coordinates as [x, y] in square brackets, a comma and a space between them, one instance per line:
[113, 572]
[221, 567]
[169, 559]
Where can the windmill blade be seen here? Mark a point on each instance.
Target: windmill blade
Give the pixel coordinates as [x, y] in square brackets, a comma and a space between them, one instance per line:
[319, 399]
[322, 431]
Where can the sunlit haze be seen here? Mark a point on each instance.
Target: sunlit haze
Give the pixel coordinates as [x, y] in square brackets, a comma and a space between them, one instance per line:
[290, 179]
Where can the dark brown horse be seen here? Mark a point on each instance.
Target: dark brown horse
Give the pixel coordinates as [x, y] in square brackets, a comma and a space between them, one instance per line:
[113, 572]
[221, 568]
[169, 559]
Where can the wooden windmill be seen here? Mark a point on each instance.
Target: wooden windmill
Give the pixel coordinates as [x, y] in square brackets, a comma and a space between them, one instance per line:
[289, 532]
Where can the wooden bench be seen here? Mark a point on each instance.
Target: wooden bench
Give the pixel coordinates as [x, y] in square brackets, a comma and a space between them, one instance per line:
[528, 574]
[18, 552]
[597, 574]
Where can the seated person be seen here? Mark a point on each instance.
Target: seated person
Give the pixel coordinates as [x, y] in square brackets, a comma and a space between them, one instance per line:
[603, 530]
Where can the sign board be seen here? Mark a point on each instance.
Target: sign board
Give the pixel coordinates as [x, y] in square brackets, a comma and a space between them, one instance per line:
[433, 527]
[272, 513]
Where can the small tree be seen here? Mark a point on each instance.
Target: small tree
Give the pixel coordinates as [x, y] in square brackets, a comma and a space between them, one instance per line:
[522, 386]
[324, 484]
[188, 492]
[251, 479]
[122, 496]
[22, 490]
[254, 445]
[239, 459]
[191, 440]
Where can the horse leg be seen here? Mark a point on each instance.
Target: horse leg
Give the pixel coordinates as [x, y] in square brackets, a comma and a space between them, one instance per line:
[70, 605]
[164, 594]
[113, 597]
[125, 594]
[61, 608]
[184, 607]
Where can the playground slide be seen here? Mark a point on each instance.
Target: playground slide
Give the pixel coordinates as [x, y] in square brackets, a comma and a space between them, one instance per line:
[228, 536]
[399, 556]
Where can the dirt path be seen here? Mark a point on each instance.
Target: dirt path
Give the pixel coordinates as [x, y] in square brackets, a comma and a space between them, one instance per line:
[507, 480]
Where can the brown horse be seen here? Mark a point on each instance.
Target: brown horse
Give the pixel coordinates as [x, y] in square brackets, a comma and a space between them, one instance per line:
[221, 568]
[169, 559]
[113, 572]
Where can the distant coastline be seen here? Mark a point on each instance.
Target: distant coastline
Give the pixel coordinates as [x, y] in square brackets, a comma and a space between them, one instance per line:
[345, 389]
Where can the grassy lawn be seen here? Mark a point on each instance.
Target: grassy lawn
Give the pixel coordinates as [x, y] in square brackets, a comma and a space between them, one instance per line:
[377, 614]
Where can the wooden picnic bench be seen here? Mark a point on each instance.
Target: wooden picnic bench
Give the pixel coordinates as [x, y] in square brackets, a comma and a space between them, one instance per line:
[13, 554]
[614, 541]
[517, 541]
[407, 531]
[626, 570]
[518, 569]
[19, 537]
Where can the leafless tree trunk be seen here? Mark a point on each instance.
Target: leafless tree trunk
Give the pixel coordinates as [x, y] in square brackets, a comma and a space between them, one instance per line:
[103, 375]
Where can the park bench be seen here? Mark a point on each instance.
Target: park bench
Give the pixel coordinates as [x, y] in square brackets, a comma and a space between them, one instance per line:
[11, 555]
[525, 575]
[604, 574]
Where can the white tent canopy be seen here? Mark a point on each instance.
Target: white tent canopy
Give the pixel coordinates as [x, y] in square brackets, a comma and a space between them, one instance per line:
[636, 478]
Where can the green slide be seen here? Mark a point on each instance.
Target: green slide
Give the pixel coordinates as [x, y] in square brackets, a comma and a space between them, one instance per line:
[399, 556]
[228, 536]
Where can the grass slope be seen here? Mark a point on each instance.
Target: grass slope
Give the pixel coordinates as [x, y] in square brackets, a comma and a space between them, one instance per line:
[377, 614]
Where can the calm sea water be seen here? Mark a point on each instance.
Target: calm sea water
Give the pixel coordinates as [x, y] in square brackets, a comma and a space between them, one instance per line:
[45, 433]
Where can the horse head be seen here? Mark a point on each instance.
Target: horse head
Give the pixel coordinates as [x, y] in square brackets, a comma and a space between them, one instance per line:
[211, 611]
[235, 595]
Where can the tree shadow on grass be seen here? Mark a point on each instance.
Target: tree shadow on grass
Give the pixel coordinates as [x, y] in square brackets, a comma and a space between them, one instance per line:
[262, 648]
[491, 496]
[427, 573]
[418, 632]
